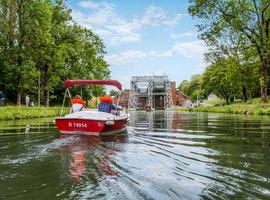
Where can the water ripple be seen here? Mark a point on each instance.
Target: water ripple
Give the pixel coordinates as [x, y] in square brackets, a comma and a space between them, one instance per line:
[163, 155]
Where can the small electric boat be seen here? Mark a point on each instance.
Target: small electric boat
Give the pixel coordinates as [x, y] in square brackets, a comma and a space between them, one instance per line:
[148, 108]
[91, 121]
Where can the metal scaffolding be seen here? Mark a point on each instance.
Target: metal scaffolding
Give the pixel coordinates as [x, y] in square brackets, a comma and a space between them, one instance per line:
[150, 90]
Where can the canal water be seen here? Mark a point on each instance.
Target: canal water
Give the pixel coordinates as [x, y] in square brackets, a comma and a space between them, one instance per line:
[162, 155]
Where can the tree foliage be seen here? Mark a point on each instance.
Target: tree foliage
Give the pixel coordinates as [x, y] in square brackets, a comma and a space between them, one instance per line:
[228, 77]
[193, 88]
[234, 70]
[248, 20]
[113, 92]
[39, 39]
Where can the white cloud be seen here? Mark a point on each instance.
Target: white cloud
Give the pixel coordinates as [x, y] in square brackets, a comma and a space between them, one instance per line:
[159, 73]
[103, 32]
[125, 58]
[181, 35]
[81, 19]
[193, 50]
[156, 16]
[128, 57]
[96, 5]
[89, 4]
[98, 17]
[116, 30]
[125, 80]
[153, 53]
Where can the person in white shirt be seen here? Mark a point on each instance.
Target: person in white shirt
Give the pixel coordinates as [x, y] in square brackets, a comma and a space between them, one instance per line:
[27, 100]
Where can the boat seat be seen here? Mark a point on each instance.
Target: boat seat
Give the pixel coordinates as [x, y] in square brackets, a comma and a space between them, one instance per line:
[76, 107]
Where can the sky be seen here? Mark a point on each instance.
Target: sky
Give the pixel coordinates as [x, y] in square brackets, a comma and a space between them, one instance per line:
[144, 37]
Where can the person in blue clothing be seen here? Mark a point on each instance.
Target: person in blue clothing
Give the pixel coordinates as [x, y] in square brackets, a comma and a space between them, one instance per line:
[106, 105]
[2, 98]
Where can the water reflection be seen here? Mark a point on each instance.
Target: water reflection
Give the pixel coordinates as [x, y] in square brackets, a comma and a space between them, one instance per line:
[221, 156]
[153, 121]
[81, 157]
[162, 121]
[77, 150]
[163, 155]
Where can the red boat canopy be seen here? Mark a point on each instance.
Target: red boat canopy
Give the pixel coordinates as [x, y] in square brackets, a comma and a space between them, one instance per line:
[70, 83]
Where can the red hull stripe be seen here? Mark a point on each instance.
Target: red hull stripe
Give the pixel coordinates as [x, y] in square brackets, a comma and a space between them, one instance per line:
[94, 133]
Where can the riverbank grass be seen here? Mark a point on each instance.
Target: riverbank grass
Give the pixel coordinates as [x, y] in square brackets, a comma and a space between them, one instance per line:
[23, 112]
[236, 108]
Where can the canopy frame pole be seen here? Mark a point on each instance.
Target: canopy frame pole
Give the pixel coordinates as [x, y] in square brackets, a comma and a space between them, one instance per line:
[63, 103]
[120, 95]
[62, 108]
[69, 96]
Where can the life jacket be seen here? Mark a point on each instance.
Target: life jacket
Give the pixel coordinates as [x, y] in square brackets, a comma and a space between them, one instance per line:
[106, 99]
[77, 100]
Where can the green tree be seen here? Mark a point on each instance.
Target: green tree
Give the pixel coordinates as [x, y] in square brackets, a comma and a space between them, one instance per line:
[220, 79]
[193, 88]
[38, 38]
[113, 93]
[248, 18]
[243, 61]
[184, 87]
[18, 69]
[85, 59]
[51, 46]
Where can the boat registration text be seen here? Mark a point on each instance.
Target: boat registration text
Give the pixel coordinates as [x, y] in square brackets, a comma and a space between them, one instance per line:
[77, 124]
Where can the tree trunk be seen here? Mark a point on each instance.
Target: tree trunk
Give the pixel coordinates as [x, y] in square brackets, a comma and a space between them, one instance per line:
[250, 97]
[231, 99]
[227, 100]
[264, 80]
[19, 98]
[245, 93]
[46, 85]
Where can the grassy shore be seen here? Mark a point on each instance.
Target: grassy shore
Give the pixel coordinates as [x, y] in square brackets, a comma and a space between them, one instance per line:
[236, 108]
[22, 112]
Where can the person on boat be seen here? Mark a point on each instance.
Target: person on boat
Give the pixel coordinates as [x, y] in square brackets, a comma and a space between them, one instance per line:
[77, 104]
[106, 105]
